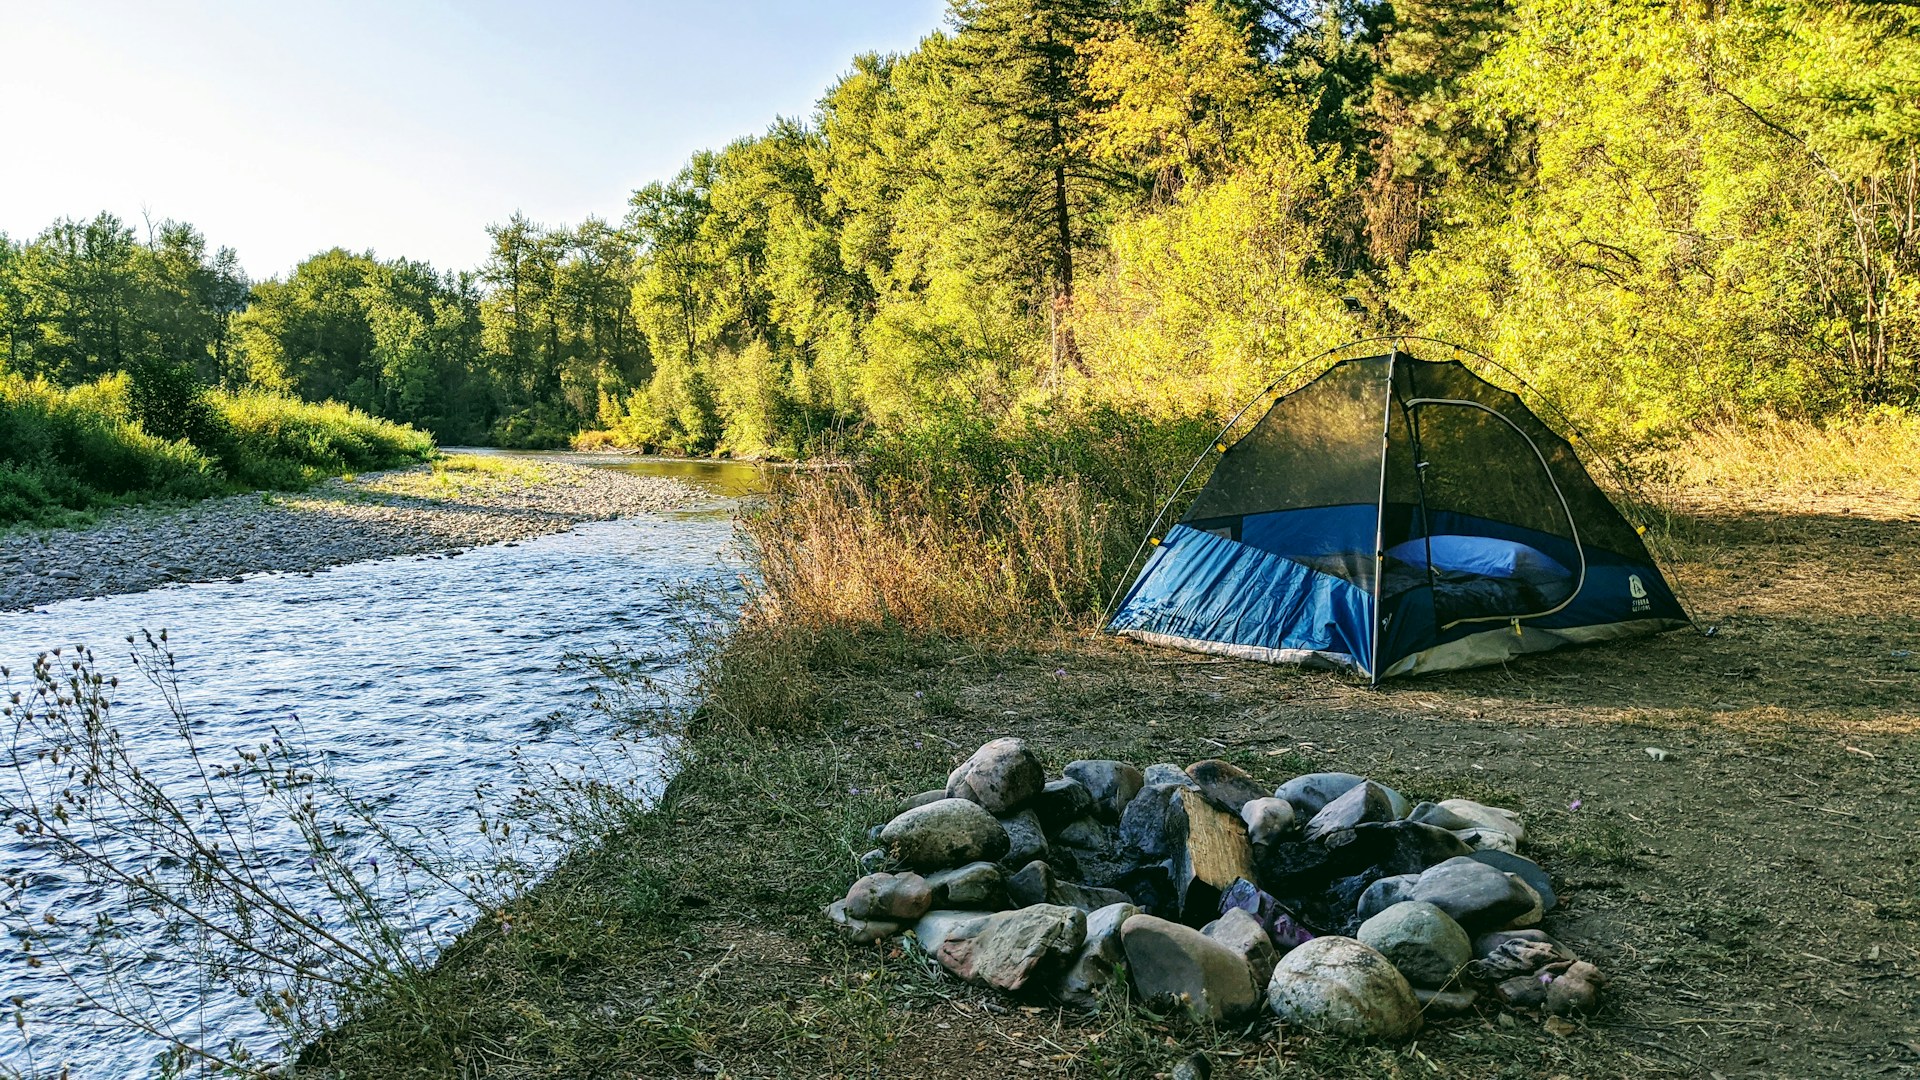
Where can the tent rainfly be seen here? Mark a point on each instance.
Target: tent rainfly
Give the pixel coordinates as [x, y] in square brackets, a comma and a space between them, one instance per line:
[1392, 517]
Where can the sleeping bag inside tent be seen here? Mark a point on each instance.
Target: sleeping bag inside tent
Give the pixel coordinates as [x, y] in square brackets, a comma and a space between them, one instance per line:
[1397, 516]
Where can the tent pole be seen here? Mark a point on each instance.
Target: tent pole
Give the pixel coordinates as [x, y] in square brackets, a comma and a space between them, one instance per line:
[1380, 520]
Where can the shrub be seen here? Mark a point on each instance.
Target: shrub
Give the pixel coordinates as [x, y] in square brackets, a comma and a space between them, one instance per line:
[73, 450]
[279, 441]
[961, 528]
[65, 451]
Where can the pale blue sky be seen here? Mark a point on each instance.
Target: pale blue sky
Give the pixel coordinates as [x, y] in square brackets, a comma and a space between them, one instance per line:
[283, 128]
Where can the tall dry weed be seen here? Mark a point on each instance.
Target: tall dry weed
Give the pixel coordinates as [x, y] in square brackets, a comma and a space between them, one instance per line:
[836, 551]
[1876, 453]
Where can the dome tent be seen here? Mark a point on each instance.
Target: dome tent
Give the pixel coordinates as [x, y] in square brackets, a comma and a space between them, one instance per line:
[1397, 516]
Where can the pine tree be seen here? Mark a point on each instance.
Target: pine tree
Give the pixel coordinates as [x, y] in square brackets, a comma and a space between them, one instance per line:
[1421, 138]
[1020, 67]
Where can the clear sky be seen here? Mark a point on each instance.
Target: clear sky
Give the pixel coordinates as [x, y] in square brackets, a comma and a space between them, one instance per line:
[281, 129]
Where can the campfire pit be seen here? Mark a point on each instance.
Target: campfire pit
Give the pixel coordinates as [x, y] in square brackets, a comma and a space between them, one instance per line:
[1333, 898]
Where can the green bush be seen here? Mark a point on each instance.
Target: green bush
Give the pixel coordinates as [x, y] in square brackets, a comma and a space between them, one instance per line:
[279, 441]
[73, 450]
[65, 451]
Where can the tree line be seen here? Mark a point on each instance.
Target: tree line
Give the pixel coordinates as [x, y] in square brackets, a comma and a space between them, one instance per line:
[1658, 214]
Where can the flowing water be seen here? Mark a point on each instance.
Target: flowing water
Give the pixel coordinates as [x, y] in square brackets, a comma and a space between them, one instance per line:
[420, 681]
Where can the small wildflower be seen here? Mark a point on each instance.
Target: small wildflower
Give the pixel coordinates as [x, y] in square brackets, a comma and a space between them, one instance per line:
[1574, 805]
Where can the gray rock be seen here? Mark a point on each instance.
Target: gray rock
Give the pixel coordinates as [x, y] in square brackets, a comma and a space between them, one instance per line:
[1171, 964]
[1488, 840]
[1310, 793]
[1002, 776]
[1445, 1002]
[1526, 870]
[1575, 991]
[1241, 931]
[1440, 817]
[1364, 802]
[875, 861]
[1194, 1067]
[1113, 784]
[1036, 883]
[922, 799]
[1008, 950]
[1479, 897]
[1399, 847]
[1154, 826]
[1268, 819]
[860, 931]
[935, 927]
[1168, 773]
[1026, 840]
[1094, 848]
[1089, 833]
[1385, 893]
[900, 898]
[1225, 785]
[1061, 803]
[1091, 897]
[1422, 941]
[1099, 956]
[1488, 817]
[1341, 986]
[977, 886]
[943, 834]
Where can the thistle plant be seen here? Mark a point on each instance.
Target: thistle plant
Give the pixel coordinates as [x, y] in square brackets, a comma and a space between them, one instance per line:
[152, 880]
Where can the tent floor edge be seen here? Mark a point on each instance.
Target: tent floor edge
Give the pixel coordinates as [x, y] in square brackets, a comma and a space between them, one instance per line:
[1502, 644]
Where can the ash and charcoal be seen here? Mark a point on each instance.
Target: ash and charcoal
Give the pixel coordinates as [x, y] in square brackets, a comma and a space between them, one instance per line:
[1333, 899]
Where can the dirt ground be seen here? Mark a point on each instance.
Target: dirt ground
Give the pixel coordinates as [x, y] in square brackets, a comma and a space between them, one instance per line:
[1754, 897]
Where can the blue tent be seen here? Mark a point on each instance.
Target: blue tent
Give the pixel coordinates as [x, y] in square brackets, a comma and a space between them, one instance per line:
[1397, 516]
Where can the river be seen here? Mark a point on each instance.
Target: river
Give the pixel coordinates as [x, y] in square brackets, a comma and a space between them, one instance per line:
[424, 683]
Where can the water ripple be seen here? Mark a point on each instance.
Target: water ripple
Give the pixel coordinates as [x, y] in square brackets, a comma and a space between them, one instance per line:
[417, 677]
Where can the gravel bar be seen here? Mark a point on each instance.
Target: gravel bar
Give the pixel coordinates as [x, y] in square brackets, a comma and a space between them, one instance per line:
[376, 515]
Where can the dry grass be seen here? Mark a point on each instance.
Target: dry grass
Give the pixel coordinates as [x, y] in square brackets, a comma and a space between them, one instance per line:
[1797, 457]
[834, 551]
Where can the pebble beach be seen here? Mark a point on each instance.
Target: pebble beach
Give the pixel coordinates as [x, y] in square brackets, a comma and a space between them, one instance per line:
[420, 510]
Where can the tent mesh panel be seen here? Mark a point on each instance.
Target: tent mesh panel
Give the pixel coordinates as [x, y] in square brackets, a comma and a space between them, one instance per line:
[1318, 446]
[1484, 491]
[1321, 446]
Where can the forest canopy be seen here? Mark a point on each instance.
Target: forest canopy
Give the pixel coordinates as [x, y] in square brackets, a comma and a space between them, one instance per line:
[1659, 214]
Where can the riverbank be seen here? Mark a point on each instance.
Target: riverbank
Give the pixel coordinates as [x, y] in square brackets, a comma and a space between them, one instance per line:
[446, 506]
[1751, 896]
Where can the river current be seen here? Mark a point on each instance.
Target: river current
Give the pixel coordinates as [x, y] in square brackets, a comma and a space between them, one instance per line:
[424, 683]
